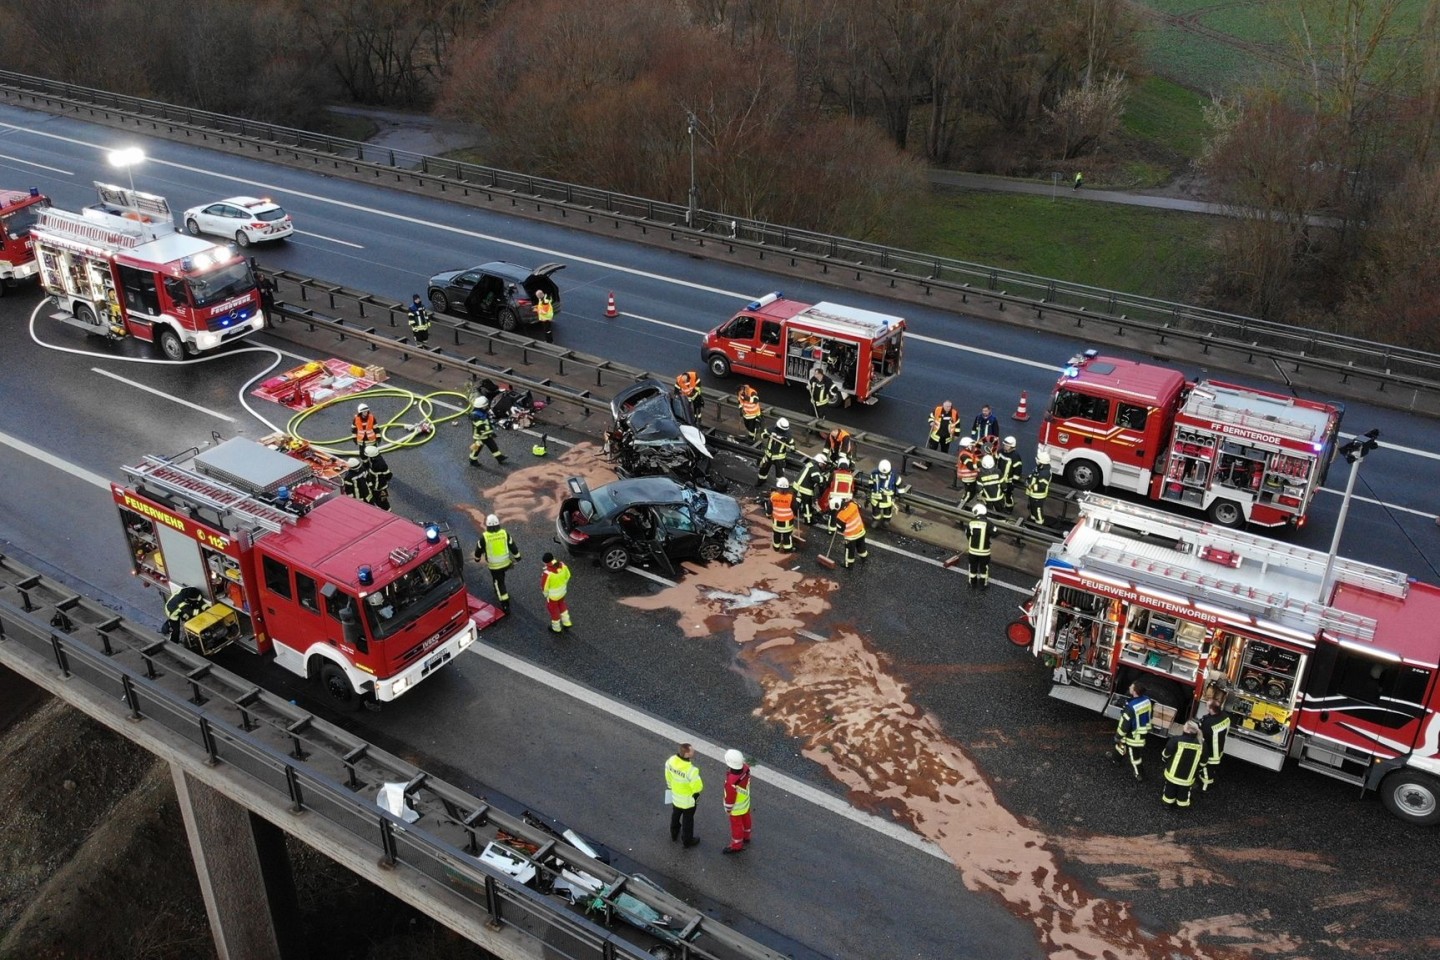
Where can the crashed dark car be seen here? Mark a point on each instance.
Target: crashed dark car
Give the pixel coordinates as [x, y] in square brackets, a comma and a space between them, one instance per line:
[498, 293]
[650, 518]
[655, 435]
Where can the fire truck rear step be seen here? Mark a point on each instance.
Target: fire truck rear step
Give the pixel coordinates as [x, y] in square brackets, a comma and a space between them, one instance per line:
[1334, 760]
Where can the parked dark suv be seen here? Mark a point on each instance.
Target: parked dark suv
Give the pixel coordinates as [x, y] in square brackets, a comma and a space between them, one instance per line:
[499, 293]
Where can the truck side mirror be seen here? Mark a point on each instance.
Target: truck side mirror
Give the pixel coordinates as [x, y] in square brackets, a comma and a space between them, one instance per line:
[345, 613]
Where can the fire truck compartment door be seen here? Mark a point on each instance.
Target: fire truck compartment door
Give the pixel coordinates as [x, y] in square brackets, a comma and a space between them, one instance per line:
[1251, 752]
[1081, 697]
[182, 558]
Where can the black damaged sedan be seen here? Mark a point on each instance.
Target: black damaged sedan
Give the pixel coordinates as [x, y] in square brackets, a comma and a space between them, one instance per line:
[645, 518]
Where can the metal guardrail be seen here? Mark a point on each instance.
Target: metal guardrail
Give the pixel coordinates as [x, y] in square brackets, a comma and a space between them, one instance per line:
[1283, 343]
[475, 352]
[305, 765]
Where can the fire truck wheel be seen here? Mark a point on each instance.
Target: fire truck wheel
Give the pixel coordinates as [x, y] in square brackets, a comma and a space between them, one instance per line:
[337, 686]
[170, 344]
[1412, 796]
[615, 557]
[1083, 475]
[719, 365]
[86, 315]
[241, 240]
[192, 227]
[507, 320]
[1227, 513]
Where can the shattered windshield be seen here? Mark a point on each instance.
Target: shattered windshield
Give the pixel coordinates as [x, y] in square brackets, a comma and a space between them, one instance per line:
[399, 604]
[221, 284]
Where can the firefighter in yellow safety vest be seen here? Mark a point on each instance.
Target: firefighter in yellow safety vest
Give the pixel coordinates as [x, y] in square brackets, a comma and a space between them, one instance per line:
[498, 551]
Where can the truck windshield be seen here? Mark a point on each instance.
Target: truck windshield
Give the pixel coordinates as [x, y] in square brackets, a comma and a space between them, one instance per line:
[400, 603]
[220, 285]
[18, 223]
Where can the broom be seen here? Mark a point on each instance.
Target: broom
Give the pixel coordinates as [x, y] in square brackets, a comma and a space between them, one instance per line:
[950, 562]
[825, 560]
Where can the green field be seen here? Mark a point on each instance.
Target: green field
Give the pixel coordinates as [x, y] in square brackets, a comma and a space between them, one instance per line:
[1135, 249]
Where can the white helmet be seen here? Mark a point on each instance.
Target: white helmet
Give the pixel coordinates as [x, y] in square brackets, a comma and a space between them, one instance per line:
[371, 450]
[480, 403]
[980, 510]
[1009, 442]
[352, 462]
[987, 462]
[362, 408]
[492, 522]
[734, 759]
[822, 458]
[782, 484]
[842, 461]
[782, 424]
[967, 442]
[884, 466]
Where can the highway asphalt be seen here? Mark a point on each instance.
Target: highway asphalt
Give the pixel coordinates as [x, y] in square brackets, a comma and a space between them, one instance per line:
[919, 796]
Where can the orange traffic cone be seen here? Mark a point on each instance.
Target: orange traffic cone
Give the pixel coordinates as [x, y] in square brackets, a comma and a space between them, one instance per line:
[610, 310]
[1020, 412]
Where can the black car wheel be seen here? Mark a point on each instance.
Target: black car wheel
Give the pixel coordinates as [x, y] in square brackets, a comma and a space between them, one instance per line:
[710, 550]
[507, 320]
[439, 302]
[615, 557]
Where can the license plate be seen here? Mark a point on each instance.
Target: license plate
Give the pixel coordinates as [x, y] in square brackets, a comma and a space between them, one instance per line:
[434, 662]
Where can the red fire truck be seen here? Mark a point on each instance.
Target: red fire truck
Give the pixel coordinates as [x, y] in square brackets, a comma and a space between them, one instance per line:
[784, 341]
[18, 213]
[1338, 672]
[1236, 453]
[339, 591]
[121, 268]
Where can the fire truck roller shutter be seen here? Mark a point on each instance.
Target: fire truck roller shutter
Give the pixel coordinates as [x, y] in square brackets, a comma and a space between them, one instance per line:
[183, 564]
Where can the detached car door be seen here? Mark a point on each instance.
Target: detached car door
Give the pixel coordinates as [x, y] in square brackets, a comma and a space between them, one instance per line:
[682, 533]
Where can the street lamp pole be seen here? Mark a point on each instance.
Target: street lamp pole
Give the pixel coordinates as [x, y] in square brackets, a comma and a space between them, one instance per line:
[127, 157]
[694, 196]
[1355, 452]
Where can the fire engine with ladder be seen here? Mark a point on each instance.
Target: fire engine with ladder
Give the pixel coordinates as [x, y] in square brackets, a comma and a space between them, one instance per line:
[18, 213]
[339, 591]
[1235, 453]
[1338, 673]
[121, 268]
[785, 341]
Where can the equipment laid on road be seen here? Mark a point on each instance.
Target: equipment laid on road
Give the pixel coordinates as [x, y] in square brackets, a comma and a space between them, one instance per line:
[1339, 673]
[339, 591]
[1236, 453]
[784, 341]
[121, 268]
[18, 215]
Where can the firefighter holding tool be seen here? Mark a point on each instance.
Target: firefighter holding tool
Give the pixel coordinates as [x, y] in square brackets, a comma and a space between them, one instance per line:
[776, 450]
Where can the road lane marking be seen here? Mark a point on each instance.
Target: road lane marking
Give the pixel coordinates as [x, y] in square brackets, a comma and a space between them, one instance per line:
[49, 459]
[32, 163]
[161, 393]
[666, 731]
[321, 236]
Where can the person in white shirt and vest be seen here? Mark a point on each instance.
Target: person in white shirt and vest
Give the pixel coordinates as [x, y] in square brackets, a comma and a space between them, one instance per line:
[737, 800]
[683, 786]
[498, 551]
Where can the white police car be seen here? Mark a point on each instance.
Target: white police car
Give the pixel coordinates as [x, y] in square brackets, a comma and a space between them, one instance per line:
[247, 219]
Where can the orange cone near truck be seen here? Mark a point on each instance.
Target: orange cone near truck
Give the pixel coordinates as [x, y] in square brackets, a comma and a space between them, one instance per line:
[784, 341]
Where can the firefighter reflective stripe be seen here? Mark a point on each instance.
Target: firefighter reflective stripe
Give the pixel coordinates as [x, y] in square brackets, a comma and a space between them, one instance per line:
[419, 318]
[741, 806]
[1184, 753]
[682, 778]
[938, 419]
[806, 483]
[842, 484]
[1134, 725]
[992, 489]
[1038, 486]
[821, 391]
[778, 446]
[544, 309]
[498, 549]
[967, 466]
[556, 580]
[849, 515]
[365, 426]
[481, 426]
[749, 403]
[1213, 731]
[782, 507]
[978, 533]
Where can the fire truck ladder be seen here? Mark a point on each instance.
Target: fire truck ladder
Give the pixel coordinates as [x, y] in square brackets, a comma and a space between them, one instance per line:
[1132, 558]
[1288, 428]
[196, 488]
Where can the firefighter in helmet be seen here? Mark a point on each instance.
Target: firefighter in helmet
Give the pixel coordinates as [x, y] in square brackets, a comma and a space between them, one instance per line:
[498, 551]
[885, 487]
[967, 470]
[1037, 490]
[979, 533]
[1012, 470]
[185, 603]
[814, 477]
[1133, 728]
[364, 426]
[482, 432]
[991, 483]
[776, 450]
[380, 475]
[780, 508]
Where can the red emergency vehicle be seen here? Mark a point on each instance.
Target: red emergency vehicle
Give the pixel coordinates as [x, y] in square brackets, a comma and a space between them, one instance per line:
[18, 213]
[121, 268]
[339, 591]
[1339, 674]
[784, 341]
[1236, 453]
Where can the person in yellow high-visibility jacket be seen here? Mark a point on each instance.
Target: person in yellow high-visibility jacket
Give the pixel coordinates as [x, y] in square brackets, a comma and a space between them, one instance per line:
[682, 788]
[554, 583]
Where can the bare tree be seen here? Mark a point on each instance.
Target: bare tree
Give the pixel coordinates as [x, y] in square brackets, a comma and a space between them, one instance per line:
[1086, 115]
